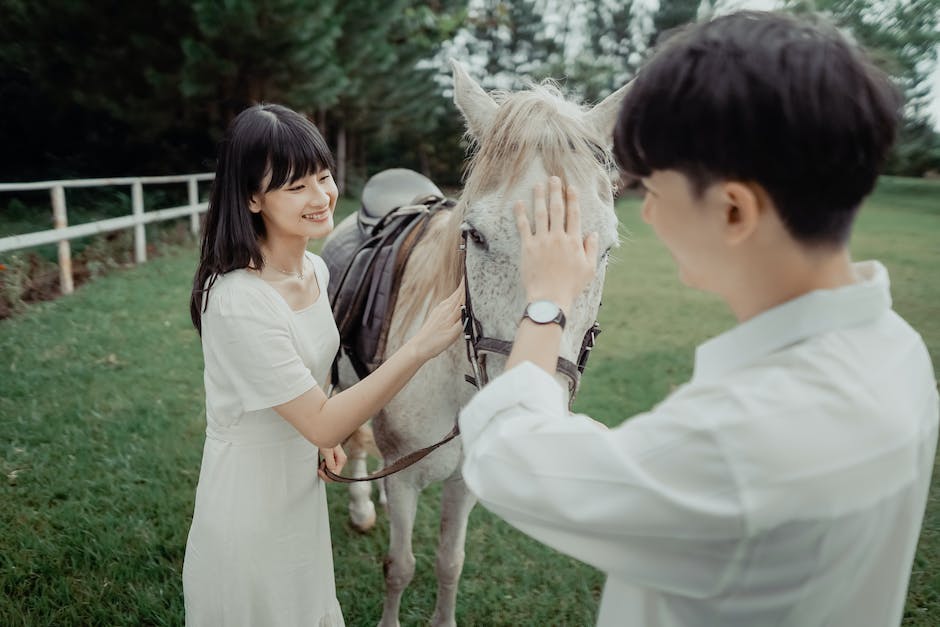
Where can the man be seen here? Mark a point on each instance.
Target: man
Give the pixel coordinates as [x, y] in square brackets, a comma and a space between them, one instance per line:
[785, 484]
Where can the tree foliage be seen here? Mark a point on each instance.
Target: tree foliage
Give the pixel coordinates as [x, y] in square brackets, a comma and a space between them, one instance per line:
[110, 88]
[113, 87]
[613, 48]
[671, 14]
[393, 91]
[246, 51]
[84, 88]
[903, 37]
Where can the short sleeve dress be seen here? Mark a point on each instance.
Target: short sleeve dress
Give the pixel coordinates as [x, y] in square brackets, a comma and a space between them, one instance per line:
[259, 550]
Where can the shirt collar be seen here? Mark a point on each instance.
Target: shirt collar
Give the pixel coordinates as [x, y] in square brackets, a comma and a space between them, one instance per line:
[814, 313]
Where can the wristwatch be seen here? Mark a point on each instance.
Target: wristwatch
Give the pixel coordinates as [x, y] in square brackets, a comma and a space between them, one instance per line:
[544, 312]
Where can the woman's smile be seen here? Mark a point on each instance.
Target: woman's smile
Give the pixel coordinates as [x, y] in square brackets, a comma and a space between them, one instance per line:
[317, 216]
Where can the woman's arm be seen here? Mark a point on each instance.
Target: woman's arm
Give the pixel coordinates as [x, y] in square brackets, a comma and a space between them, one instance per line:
[328, 421]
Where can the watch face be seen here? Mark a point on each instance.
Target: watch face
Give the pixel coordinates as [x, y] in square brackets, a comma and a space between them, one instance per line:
[542, 311]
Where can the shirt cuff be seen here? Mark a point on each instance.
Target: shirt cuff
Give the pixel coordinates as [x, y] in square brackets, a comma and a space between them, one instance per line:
[526, 385]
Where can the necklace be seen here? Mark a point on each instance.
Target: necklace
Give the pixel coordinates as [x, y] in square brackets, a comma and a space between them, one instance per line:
[299, 275]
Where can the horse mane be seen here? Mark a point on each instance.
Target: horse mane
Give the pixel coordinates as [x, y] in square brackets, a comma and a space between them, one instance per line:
[537, 123]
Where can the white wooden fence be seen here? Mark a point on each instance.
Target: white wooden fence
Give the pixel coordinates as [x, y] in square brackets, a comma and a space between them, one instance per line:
[63, 233]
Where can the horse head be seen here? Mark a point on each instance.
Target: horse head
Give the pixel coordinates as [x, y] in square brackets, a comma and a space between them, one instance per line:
[520, 139]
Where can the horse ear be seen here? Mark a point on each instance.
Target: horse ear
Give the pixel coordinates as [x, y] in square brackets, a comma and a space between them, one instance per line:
[603, 116]
[477, 106]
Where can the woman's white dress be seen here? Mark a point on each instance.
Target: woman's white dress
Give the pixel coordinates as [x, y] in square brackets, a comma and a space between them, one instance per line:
[259, 550]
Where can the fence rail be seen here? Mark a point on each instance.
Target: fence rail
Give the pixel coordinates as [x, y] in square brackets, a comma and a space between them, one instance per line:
[138, 218]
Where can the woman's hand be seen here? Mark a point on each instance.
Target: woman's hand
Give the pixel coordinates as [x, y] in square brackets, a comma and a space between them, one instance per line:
[441, 327]
[557, 261]
[335, 459]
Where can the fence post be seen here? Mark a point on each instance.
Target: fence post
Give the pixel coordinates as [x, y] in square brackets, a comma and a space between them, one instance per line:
[193, 201]
[60, 220]
[140, 235]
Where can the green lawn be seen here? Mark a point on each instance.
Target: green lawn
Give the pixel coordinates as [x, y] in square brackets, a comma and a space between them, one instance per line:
[101, 422]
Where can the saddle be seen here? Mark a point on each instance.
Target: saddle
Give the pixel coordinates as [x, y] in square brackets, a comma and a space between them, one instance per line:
[366, 263]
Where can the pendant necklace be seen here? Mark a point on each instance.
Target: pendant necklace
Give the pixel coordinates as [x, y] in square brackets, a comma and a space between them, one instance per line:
[299, 275]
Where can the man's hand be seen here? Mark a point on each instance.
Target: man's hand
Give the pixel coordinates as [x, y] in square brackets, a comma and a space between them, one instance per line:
[558, 262]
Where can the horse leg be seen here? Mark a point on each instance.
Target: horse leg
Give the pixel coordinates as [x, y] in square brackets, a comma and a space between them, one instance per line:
[383, 495]
[361, 507]
[400, 562]
[456, 503]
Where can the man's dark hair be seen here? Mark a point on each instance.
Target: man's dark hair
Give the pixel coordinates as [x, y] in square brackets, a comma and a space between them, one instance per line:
[766, 98]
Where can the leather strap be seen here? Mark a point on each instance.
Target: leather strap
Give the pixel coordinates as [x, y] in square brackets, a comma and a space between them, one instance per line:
[566, 367]
[399, 464]
[478, 344]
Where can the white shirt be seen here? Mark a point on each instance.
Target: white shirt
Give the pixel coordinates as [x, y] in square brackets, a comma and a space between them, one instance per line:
[785, 484]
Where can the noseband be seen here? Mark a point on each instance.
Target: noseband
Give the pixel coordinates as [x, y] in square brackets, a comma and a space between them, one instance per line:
[478, 345]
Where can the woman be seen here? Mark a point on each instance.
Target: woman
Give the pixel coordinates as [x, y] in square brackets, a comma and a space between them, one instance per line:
[259, 549]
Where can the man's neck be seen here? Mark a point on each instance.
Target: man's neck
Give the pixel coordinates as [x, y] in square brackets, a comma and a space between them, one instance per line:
[772, 280]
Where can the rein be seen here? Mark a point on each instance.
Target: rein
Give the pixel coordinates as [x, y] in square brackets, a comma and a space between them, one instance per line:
[477, 345]
[399, 464]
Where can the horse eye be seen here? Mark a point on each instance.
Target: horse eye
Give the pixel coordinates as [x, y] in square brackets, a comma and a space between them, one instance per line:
[474, 235]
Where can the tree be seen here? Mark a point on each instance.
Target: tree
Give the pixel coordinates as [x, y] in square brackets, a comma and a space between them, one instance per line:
[611, 53]
[917, 151]
[509, 39]
[104, 88]
[391, 85]
[903, 36]
[670, 15]
[91, 90]
[249, 51]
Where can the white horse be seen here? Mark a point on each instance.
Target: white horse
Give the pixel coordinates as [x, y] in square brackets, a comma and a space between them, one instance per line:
[520, 139]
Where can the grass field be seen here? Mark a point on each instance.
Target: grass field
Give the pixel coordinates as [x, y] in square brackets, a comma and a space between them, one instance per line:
[101, 422]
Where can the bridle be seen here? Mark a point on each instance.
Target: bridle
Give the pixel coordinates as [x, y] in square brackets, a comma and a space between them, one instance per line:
[478, 345]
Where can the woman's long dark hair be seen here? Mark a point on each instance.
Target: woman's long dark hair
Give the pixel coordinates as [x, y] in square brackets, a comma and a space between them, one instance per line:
[264, 140]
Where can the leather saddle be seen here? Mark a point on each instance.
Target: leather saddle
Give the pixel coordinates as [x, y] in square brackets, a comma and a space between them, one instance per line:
[366, 263]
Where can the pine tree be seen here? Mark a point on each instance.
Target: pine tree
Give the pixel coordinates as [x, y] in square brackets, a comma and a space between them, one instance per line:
[91, 88]
[393, 94]
[249, 51]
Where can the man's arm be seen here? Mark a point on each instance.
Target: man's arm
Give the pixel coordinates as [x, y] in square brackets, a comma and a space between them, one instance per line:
[635, 501]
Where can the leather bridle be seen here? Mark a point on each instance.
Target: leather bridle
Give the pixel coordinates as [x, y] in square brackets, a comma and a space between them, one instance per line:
[478, 345]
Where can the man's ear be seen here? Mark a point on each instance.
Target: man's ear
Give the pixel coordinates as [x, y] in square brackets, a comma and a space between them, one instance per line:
[744, 204]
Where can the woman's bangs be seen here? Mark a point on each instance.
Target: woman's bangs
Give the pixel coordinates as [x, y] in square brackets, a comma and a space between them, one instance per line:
[295, 153]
